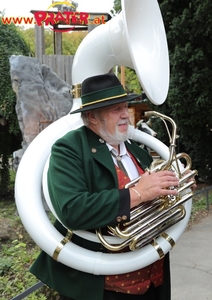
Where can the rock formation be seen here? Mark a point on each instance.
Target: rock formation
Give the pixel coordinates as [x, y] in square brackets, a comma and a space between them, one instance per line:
[42, 98]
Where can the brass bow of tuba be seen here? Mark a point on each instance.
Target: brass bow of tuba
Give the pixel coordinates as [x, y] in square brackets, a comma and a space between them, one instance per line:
[151, 219]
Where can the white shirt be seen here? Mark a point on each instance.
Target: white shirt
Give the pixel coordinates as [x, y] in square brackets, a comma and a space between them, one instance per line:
[126, 160]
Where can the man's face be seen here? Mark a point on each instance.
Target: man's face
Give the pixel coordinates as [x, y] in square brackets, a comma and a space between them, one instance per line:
[113, 122]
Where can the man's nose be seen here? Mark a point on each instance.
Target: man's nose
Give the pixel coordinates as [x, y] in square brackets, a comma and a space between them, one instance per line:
[125, 113]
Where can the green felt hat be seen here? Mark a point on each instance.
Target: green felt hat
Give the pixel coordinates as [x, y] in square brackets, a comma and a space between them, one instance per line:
[102, 90]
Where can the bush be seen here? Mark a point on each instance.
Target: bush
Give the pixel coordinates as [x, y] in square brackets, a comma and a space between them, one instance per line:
[16, 257]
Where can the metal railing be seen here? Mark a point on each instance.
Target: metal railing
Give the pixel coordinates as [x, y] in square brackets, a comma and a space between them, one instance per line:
[29, 291]
[205, 191]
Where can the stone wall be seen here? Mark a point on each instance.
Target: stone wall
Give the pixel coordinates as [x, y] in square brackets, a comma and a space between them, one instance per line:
[42, 98]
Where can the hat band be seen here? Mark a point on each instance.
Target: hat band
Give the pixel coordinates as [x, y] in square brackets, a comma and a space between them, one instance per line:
[102, 100]
[97, 97]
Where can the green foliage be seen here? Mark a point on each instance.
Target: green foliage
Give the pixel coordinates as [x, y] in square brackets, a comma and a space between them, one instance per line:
[10, 43]
[5, 265]
[71, 41]
[4, 174]
[116, 7]
[199, 203]
[28, 35]
[16, 256]
[49, 42]
[15, 277]
[132, 84]
[189, 26]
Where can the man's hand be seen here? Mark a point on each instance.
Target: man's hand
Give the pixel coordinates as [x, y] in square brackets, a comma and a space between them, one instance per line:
[153, 185]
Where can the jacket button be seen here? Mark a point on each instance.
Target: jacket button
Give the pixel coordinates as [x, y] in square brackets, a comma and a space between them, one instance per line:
[124, 218]
[118, 219]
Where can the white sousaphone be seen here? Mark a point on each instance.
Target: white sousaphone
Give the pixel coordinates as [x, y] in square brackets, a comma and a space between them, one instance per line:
[135, 38]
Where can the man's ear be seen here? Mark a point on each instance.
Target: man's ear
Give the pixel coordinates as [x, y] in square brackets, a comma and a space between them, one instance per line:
[91, 117]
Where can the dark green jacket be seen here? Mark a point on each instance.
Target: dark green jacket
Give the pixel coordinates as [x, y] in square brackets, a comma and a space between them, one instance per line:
[84, 191]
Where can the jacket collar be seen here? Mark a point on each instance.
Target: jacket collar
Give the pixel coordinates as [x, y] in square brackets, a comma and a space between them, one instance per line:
[99, 150]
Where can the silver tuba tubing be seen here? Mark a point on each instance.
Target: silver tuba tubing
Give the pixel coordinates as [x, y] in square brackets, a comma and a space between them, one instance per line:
[151, 219]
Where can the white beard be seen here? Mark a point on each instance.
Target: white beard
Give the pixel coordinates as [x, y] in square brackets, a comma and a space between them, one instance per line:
[117, 137]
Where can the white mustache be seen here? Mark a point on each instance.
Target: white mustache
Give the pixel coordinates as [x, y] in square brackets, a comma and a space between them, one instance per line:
[123, 122]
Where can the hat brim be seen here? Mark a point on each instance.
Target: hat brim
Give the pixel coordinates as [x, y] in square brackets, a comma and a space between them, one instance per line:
[127, 98]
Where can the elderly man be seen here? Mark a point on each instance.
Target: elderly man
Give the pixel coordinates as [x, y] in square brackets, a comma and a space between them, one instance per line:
[87, 189]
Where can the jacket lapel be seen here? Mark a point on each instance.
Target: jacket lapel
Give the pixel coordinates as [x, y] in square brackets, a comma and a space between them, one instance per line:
[142, 159]
[100, 152]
